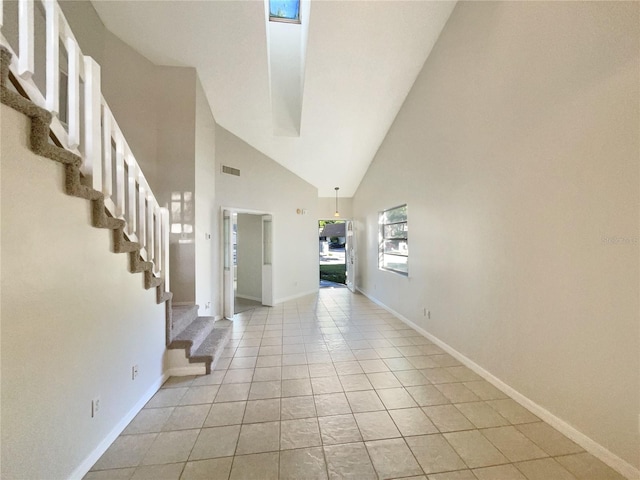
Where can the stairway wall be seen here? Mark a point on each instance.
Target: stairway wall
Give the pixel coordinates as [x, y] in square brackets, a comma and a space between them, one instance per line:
[175, 163]
[155, 106]
[207, 264]
[74, 320]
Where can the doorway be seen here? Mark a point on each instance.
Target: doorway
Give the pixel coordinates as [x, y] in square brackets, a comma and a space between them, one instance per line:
[247, 261]
[332, 239]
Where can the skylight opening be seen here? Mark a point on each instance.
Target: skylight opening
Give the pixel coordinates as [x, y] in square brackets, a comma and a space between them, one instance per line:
[284, 11]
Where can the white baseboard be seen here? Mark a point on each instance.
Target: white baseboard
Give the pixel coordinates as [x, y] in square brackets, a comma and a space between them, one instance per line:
[293, 297]
[590, 445]
[186, 371]
[248, 297]
[102, 447]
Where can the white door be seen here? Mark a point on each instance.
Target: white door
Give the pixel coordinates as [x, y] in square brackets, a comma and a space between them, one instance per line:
[267, 264]
[350, 256]
[230, 226]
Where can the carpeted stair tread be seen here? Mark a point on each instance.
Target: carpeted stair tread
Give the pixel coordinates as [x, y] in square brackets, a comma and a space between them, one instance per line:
[183, 316]
[194, 334]
[211, 348]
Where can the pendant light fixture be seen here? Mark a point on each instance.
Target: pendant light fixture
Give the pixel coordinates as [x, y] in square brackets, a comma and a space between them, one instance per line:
[336, 214]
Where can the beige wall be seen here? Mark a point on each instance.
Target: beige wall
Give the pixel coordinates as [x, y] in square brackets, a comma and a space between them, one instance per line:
[327, 208]
[175, 118]
[127, 81]
[87, 27]
[74, 320]
[205, 173]
[517, 153]
[266, 186]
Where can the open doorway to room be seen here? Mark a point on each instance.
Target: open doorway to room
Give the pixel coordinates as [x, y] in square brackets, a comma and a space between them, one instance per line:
[247, 261]
[332, 239]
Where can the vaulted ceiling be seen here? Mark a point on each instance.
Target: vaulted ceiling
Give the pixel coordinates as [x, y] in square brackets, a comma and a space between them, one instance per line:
[362, 59]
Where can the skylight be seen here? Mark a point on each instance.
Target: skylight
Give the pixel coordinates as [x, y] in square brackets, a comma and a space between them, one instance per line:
[284, 11]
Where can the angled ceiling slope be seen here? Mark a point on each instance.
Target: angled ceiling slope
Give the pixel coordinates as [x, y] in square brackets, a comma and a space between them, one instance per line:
[361, 61]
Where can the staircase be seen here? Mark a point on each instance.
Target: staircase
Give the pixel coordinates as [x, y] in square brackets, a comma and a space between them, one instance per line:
[40, 144]
[202, 338]
[145, 240]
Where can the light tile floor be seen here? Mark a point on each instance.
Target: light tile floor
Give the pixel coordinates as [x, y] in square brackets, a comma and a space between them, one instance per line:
[333, 386]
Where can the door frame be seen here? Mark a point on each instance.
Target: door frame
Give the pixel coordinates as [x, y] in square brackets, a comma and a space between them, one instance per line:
[350, 254]
[350, 257]
[228, 291]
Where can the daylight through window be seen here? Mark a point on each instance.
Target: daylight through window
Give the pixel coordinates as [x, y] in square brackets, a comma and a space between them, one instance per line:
[394, 240]
[284, 11]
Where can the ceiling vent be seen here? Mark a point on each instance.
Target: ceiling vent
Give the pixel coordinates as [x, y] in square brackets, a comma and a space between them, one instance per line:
[231, 170]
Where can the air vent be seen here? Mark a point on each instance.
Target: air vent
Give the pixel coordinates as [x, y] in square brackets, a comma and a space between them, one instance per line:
[230, 170]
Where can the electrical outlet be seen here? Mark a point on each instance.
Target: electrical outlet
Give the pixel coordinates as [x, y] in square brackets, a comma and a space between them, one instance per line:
[207, 306]
[134, 372]
[429, 314]
[95, 406]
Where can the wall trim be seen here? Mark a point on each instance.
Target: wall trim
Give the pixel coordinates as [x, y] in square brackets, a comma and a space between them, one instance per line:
[186, 371]
[293, 297]
[82, 469]
[249, 297]
[599, 451]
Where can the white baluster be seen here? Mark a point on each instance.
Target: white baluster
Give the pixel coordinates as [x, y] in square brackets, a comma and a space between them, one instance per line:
[92, 135]
[165, 247]
[26, 39]
[107, 179]
[150, 228]
[142, 225]
[132, 172]
[119, 186]
[1, 13]
[157, 266]
[74, 92]
[53, 56]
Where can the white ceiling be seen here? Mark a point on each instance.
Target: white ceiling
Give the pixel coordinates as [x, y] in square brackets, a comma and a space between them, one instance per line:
[362, 59]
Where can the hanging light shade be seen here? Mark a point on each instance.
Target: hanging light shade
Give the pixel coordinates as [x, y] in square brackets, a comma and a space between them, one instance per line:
[336, 214]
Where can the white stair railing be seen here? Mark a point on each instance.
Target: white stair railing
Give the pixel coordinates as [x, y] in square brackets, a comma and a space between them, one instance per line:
[88, 128]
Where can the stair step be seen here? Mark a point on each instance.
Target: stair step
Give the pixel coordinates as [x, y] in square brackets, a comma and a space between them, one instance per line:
[194, 334]
[183, 316]
[211, 348]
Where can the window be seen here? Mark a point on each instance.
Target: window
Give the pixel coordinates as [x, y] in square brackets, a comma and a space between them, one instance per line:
[182, 214]
[284, 11]
[394, 241]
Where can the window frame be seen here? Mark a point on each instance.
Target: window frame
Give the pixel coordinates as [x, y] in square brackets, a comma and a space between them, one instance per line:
[382, 239]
